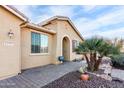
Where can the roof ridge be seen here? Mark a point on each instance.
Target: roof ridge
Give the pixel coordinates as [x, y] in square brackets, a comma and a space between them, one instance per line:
[50, 18]
[61, 18]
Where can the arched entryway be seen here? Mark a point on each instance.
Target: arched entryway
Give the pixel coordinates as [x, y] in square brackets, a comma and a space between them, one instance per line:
[66, 48]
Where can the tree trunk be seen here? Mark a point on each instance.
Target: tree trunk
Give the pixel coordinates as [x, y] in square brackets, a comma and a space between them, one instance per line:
[92, 61]
[88, 62]
[98, 63]
[94, 55]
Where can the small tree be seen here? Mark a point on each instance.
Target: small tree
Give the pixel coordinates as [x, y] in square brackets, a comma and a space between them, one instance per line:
[94, 49]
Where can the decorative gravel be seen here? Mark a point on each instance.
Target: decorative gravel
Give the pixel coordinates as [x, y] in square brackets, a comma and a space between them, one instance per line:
[72, 80]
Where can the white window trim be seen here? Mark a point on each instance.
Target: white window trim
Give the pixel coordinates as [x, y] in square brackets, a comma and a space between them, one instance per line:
[39, 54]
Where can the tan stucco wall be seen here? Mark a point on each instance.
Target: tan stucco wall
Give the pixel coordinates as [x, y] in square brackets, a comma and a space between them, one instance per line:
[63, 29]
[53, 25]
[15, 53]
[9, 53]
[33, 60]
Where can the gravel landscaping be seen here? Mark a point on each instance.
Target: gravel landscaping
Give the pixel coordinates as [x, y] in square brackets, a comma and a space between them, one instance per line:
[72, 80]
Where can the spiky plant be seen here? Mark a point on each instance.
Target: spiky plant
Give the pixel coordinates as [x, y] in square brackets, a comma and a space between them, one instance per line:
[90, 48]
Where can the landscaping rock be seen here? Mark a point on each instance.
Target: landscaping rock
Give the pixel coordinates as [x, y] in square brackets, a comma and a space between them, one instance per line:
[106, 65]
[72, 80]
[106, 77]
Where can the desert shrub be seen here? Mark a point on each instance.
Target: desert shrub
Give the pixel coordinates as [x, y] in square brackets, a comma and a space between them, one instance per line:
[97, 49]
[117, 60]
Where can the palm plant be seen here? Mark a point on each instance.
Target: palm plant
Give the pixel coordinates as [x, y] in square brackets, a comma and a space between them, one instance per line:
[94, 49]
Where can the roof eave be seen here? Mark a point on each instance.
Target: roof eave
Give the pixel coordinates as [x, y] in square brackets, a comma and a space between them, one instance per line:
[35, 27]
[62, 18]
[15, 13]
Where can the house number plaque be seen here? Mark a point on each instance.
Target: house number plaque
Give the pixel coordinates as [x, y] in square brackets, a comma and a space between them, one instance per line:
[8, 43]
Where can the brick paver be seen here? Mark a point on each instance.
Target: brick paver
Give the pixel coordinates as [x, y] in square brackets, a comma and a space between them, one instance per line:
[40, 76]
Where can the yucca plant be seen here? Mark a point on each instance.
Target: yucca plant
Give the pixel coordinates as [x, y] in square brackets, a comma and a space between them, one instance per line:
[94, 49]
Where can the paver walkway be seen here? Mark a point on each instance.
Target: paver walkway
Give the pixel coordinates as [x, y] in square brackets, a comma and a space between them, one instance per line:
[118, 73]
[40, 76]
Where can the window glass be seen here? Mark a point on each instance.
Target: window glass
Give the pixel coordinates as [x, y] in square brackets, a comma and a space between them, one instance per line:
[39, 43]
[75, 43]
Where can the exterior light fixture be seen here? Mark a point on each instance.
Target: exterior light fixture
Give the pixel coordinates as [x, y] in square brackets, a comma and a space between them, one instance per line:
[10, 33]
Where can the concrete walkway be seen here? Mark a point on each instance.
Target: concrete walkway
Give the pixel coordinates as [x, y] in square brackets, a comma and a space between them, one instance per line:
[118, 73]
[40, 76]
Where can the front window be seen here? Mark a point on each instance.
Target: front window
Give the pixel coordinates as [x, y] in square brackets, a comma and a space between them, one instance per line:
[75, 43]
[39, 43]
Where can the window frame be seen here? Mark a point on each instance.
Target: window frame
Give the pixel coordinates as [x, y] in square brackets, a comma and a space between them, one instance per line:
[73, 44]
[40, 53]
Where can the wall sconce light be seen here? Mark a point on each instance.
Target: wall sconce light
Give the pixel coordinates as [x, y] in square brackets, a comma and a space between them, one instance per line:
[10, 33]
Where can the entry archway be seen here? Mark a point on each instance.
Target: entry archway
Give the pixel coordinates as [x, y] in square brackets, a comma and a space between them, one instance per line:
[66, 48]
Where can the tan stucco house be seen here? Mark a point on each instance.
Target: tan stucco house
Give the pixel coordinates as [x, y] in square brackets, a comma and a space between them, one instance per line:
[26, 45]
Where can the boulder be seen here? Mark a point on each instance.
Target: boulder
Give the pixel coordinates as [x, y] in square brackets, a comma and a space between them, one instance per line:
[106, 77]
[106, 65]
[106, 69]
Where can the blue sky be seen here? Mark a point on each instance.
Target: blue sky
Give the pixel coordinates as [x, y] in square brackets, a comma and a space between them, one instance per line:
[105, 21]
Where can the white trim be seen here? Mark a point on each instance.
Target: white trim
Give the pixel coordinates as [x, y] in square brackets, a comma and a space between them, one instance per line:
[39, 54]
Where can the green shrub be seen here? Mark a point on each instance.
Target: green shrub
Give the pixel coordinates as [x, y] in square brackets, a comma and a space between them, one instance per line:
[117, 60]
[83, 69]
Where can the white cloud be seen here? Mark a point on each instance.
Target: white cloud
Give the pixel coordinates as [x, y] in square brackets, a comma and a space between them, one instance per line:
[51, 11]
[88, 8]
[41, 18]
[89, 27]
[113, 33]
[62, 10]
[56, 10]
[24, 9]
[110, 34]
